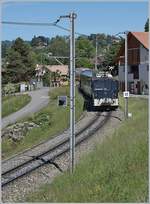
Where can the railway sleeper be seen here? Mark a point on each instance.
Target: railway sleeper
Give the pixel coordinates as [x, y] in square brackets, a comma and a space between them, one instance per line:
[49, 161]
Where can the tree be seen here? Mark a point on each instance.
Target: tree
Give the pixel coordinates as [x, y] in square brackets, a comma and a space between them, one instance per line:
[111, 54]
[39, 41]
[84, 47]
[84, 52]
[46, 77]
[59, 46]
[147, 26]
[20, 62]
[106, 49]
[84, 62]
[5, 46]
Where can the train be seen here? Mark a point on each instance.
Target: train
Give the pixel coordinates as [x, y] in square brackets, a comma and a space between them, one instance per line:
[78, 72]
[100, 88]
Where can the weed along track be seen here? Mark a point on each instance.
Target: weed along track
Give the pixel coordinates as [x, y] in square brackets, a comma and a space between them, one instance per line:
[48, 156]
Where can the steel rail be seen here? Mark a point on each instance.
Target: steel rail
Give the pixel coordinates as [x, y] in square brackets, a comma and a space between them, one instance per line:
[37, 164]
[62, 142]
[37, 145]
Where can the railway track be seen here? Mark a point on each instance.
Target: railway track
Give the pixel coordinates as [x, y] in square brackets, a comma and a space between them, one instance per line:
[49, 156]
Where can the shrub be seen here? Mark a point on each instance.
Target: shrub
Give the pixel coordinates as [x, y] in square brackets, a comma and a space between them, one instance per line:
[9, 88]
[42, 119]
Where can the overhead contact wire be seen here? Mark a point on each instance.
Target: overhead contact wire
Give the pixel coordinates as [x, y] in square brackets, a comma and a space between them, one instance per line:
[39, 24]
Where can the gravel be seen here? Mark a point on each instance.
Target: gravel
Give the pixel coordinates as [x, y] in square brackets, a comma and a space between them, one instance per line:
[19, 189]
[38, 149]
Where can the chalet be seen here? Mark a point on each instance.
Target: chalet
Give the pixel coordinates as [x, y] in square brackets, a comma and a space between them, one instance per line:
[138, 63]
[59, 74]
[40, 71]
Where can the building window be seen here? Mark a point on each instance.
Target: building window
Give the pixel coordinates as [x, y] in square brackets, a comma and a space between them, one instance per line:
[147, 67]
[135, 71]
[129, 69]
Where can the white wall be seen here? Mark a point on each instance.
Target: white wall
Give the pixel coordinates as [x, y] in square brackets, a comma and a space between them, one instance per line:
[143, 70]
[143, 55]
[122, 74]
[143, 73]
[130, 77]
[144, 78]
[144, 66]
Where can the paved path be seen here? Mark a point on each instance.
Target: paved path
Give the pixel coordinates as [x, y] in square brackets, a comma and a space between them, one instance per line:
[39, 99]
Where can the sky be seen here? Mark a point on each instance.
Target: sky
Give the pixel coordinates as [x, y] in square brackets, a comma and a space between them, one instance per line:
[92, 17]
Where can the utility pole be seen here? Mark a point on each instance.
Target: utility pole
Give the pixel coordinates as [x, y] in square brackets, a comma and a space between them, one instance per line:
[126, 73]
[72, 16]
[126, 93]
[96, 53]
[72, 92]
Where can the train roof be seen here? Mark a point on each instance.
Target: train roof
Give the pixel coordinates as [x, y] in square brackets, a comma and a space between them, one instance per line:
[81, 69]
[94, 76]
[103, 78]
[88, 73]
[78, 71]
[104, 74]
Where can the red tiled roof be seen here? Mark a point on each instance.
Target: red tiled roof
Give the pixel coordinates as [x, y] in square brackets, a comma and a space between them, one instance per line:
[142, 37]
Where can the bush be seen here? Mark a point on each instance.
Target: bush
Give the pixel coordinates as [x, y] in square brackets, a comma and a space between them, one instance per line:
[17, 87]
[9, 88]
[46, 79]
[41, 119]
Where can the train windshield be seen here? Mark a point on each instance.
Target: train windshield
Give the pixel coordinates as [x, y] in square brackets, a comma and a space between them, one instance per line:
[104, 88]
[102, 84]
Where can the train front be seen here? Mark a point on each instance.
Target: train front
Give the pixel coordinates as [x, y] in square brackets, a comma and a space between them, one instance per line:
[105, 92]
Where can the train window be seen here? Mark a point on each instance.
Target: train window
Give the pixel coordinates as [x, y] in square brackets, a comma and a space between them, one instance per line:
[105, 84]
[102, 84]
[98, 84]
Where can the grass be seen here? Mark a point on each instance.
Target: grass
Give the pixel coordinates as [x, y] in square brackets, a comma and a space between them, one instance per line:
[116, 171]
[52, 120]
[11, 104]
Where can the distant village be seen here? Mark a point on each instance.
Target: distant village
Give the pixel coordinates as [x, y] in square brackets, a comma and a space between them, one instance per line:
[50, 64]
[138, 65]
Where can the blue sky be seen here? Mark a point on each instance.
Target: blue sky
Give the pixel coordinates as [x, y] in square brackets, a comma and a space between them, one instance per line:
[92, 17]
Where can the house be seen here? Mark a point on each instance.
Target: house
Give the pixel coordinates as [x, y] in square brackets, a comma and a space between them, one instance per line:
[40, 71]
[62, 69]
[138, 63]
[59, 73]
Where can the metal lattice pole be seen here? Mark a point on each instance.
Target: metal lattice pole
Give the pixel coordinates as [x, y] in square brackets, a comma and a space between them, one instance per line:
[72, 93]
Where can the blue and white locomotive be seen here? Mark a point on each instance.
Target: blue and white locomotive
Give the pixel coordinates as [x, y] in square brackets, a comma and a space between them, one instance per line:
[101, 88]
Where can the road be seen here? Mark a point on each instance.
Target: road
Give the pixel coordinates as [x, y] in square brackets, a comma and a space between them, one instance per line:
[39, 100]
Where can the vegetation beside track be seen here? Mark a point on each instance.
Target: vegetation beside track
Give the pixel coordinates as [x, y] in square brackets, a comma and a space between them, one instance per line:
[52, 120]
[11, 104]
[116, 171]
